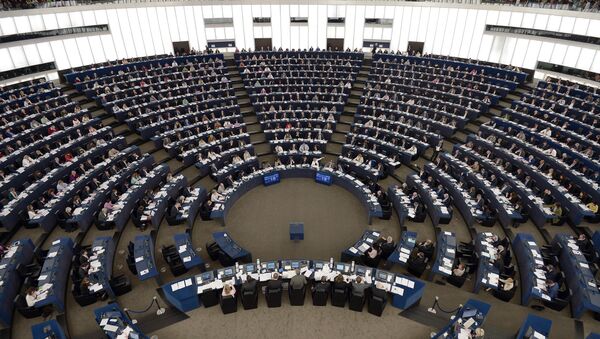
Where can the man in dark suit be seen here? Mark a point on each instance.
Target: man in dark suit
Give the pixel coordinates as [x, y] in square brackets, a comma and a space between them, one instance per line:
[249, 285]
[274, 283]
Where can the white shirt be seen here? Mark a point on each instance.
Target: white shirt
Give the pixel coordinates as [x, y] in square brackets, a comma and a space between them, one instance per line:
[31, 299]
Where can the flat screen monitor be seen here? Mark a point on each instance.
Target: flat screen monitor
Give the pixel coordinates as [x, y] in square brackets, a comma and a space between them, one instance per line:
[271, 265]
[319, 265]
[271, 179]
[295, 264]
[229, 271]
[250, 268]
[382, 276]
[323, 178]
[340, 267]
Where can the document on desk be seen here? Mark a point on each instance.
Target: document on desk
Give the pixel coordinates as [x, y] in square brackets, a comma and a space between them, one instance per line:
[353, 250]
[397, 290]
[110, 328]
[538, 335]
[182, 248]
[52, 254]
[138, 259]
[265, 276]
[404, 257]
[187, 259]
[144, 272]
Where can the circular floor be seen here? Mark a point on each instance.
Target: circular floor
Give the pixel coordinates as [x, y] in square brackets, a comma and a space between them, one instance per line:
[333, 220]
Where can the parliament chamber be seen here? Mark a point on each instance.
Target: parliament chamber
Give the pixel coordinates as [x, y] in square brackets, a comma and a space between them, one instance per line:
[176, 169]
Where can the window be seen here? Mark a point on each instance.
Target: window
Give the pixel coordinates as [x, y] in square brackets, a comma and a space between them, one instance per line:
[13, 73]
[542, 34]
[336, 20]
[261, 20]
[53, 33]
[221, 43]
[218, 22]
[298, 20]
[546, 66]
[376, 43]
[379, 22]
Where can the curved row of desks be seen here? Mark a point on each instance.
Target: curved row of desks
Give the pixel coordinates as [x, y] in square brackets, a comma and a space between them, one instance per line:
[186, 294]
[326, 176]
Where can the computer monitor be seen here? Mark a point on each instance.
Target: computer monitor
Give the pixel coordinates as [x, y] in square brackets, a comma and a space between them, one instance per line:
[271, 265]
[295, 264]
[323, 178]
[319, 265]
[228, 271]
[249, 267]
[382, 276]
[271, 179]
[340, 267]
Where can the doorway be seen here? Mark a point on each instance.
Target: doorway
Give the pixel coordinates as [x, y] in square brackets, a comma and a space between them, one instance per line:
[181, 47]
[415, 47]
[263, 43]
[335, 44]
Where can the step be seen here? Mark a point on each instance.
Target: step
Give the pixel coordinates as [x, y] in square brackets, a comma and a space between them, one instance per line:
[338, 137]
[333, 148]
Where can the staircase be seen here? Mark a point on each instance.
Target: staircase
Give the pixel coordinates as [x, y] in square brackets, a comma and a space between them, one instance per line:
[257, 137]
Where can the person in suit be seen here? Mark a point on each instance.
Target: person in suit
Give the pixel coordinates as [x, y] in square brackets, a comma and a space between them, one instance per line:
[552, 288]
[479, 202]
[84, 286]
[339, 283]
[359, 287]
[322, 286]
[387, 247]
[552, 273]
[103, 215]
[83, 270]
[298, 281]
[175, 209]
[249, 285]
[426, 247]
[275, 282]
[84, 257]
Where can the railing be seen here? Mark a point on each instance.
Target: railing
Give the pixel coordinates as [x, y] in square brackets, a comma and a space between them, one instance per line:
[571, 5]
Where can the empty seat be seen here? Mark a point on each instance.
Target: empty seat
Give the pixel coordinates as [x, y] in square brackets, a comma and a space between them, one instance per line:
[250, 299]
[356, 301]
[377, 302]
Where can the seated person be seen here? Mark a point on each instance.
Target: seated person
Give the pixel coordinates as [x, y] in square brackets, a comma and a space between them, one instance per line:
[250, 284]
[340, 283]
[552, 288]
[417, 261]
[507, 284]
[387, 248]
[359, 287]
[322, 285]
[426, 247]
[298, 281]
[557, 213]
[31, 296]
[459, 270]
[228, 291]
[84, 286]
[275, 282]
